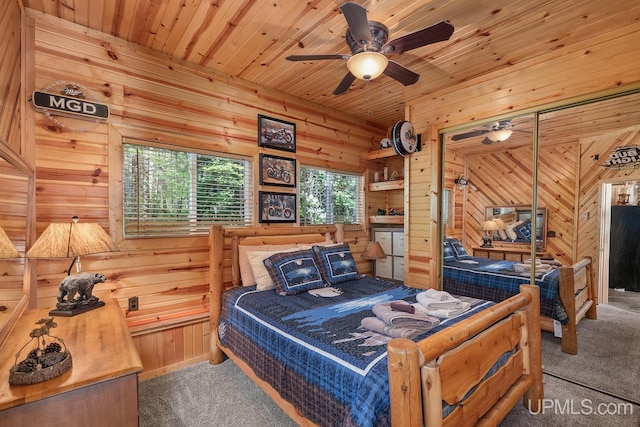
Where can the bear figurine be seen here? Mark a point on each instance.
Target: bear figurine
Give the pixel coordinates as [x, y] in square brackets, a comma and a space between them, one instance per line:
[81, 284]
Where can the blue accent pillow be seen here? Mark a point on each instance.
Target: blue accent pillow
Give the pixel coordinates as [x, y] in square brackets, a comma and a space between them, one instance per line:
[336, 263]
[294, 272]
[523, 231]
[458, 250]
[448, 253]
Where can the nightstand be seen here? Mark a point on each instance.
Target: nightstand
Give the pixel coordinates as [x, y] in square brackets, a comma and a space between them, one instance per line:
[100, 389]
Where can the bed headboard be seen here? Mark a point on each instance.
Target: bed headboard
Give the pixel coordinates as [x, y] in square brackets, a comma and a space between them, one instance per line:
[224, 266]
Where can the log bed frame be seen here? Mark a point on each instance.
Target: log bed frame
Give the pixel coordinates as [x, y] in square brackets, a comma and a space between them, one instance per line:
[423, 374]
[578, 297]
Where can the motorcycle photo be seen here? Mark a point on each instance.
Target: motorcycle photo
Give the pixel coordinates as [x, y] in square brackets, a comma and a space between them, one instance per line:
[276, 133]
[277, 207]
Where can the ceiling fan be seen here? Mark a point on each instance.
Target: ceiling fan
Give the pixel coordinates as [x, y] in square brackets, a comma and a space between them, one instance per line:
[494, 132]
[368, 43]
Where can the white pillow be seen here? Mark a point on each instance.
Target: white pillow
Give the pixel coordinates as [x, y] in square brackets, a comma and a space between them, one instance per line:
[246, 273]
[262, 278]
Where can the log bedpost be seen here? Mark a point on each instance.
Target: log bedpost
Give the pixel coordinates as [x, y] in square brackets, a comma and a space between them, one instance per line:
[216, 244]
[404, 383]
[532, 399]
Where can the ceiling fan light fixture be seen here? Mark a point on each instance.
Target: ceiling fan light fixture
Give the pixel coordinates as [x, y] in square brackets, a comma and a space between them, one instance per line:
[499, 135]
[367, 65]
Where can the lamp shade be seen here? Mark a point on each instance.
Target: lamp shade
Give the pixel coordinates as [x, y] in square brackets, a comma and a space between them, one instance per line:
[7, 250]
[367, 65]
[490, 225]
[374, 251]
[499, 135]
[60, 240]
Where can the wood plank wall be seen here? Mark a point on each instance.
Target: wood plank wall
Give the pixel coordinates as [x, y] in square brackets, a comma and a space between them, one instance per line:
[10, 76]
[606, 62]
[155, 98]
[505, 178]
[591, 178]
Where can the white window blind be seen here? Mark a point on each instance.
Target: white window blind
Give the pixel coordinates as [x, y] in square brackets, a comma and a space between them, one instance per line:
[329, 198]
[173, 192]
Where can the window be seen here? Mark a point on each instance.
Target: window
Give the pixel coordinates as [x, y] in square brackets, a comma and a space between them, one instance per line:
[172, 192]
[330, 197]
[447, 208]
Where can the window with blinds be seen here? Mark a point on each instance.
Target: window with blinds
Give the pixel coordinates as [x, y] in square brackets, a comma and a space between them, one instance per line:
[172, 192]
[330, 198]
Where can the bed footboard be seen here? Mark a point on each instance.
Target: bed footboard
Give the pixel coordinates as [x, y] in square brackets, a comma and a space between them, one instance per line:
[423, 375]
[577, 294]
[578, 297]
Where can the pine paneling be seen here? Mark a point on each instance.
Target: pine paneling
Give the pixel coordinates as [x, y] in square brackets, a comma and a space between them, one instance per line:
[155, 98]
[249, 40]
[10, 75]
[588, 66]
[591, 178]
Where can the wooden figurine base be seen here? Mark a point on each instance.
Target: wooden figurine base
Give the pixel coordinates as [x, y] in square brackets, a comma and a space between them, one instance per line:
[77, 310]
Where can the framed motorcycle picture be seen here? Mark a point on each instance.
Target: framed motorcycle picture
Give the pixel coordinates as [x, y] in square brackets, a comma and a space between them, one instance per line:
[277, 207]
[276, 170]
[277, 134]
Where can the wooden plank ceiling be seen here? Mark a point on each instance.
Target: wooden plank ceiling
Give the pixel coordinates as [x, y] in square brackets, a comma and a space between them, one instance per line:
[569, 125]
[250, 39]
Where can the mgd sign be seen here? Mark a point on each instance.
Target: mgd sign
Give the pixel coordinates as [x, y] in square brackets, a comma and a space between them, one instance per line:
[69, 105]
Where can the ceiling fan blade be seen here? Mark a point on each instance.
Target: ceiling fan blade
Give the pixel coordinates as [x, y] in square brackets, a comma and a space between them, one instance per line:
[401, 73]
[469, 134]
[316, 57]
[356, 17]
[487, 141]
[436, 33]
[345, 84]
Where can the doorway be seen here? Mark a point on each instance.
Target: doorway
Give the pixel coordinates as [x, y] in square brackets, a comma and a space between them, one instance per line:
[615, 195]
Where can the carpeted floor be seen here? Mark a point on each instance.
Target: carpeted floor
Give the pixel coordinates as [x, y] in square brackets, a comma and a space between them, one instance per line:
[222, 396]
[608, 350]
[626, 300]
[207, 395]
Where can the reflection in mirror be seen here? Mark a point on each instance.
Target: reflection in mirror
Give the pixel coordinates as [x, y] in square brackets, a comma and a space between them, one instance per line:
[496, 160]
[518, 225]
[14, 198]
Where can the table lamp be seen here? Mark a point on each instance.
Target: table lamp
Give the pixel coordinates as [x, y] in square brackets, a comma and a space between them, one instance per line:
[373, 251]
[66, 240]
[489, 226]
[7, 250]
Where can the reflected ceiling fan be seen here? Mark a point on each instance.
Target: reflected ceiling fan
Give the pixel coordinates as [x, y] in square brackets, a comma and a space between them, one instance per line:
[493, 132]
[368, 43]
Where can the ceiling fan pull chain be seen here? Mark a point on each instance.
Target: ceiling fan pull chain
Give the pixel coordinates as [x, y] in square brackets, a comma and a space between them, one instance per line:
[368, 91]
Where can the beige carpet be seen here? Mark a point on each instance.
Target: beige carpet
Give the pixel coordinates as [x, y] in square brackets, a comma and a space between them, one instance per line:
[608, 351]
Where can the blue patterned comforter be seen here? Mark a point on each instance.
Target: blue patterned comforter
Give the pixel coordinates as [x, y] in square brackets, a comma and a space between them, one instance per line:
[496, 280]
[313, 351]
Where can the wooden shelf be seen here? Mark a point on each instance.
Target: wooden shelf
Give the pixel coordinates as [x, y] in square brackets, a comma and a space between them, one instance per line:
[386, 219]
[381, 154]
[397, 184]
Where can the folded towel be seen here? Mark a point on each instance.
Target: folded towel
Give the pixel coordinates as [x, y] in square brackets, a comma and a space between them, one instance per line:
[443, 313]
[376, 325]
[401, 319]
[436, 300]
[527, 267]
[403, 306]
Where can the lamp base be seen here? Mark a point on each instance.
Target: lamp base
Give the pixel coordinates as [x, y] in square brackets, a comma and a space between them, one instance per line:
[486, 242]
[77, 310]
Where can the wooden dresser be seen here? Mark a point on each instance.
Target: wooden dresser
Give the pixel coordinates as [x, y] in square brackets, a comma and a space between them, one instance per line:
[101, 389]
[507, 253]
